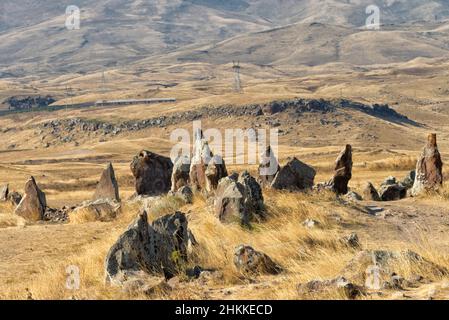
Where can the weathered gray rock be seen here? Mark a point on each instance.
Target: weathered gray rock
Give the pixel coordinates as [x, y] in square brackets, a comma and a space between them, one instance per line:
[152, 172]
[370, 193]
[154, 249]
[107, 188]
[268, 168]
[429, 168]
[310, 223]
[230, 201]
[391, 190]
[294, 176]
[180, 174]
[33, 204]
[249, 261]
[253, 194]
[4, 192]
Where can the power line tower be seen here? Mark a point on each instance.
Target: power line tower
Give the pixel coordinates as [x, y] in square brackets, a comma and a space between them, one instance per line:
[237, 82]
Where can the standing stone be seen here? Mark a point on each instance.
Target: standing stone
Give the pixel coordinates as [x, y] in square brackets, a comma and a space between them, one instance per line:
[343, 171]
[429, 168]
[370, 193]
[201, 157]
[295, 175]
[180, 175]
[268, 168]
[4, 191]
[107, 188]
[152, 172]
[253, 194]
[230, 204]
[215, 171]
[33, 204]
[160, 248]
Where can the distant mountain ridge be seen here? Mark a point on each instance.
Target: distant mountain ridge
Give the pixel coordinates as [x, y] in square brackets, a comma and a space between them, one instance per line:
[34, 40]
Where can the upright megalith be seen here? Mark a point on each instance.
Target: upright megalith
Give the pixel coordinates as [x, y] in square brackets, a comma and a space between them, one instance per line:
[206, 169]
[107, 188]
[152, 172]
[253, 194]
[156, 249]
[268, 167]
[343, 171]
[429, 168]
[33, 204]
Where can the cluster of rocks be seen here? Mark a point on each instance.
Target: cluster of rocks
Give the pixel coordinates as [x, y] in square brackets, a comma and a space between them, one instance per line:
[428, 176]
[22, 103]
[295, 108]
[372, 270]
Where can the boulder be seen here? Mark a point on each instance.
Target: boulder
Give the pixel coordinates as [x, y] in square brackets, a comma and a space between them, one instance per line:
[343, 171]
[353, 196]
[152, 172]
[157, 249]
[180, 174]
[391, 190]
[33, 204]
[249, 261]
[103, 210]
[429, 168]
[4, 192]
[253, 194]
[268, 168]
[370, 193]
[295, 175]
[215, 171]
[107, 188]
[230, 203]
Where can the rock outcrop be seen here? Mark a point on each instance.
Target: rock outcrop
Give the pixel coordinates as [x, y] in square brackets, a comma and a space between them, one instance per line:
[252, 262]
[180, 174]
[268, 167]
[152, 172]
[33, 204]
[294, 176]
[370, 193]
[107, 188]
[157, 249]
[429, 168]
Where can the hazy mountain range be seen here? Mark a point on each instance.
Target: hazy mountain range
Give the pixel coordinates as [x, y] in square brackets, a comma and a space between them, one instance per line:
[34, 39]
